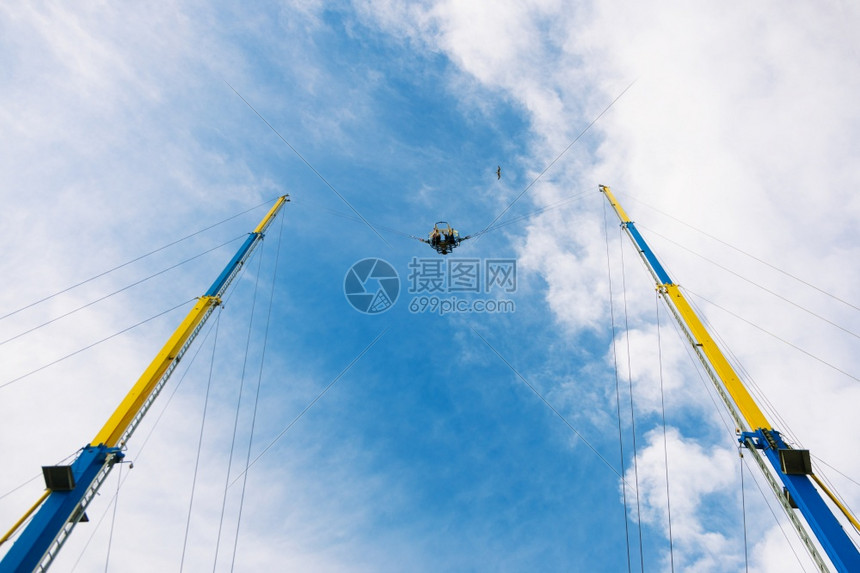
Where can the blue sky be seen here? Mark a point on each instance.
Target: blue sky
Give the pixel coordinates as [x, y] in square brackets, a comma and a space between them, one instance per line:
[739, 137]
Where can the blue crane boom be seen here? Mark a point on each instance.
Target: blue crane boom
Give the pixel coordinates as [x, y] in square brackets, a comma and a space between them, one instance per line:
[71, 488]
[791, 466]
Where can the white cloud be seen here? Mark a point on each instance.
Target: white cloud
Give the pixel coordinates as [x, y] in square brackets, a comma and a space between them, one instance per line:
[660, 373]
[695, 474]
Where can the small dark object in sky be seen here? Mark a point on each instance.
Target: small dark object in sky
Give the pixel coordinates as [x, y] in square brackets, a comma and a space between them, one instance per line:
[499, 172]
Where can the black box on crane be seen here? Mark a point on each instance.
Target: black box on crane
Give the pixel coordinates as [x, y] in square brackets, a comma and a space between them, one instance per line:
[58, 478]
[795, 462]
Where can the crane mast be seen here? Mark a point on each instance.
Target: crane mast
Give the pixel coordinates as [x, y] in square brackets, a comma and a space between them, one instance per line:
[795, 489]
[71, 488]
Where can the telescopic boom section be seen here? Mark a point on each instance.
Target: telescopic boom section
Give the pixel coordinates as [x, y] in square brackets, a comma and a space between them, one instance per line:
[116, 426]
[793, 467]
[745, 403]
[71, 488]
